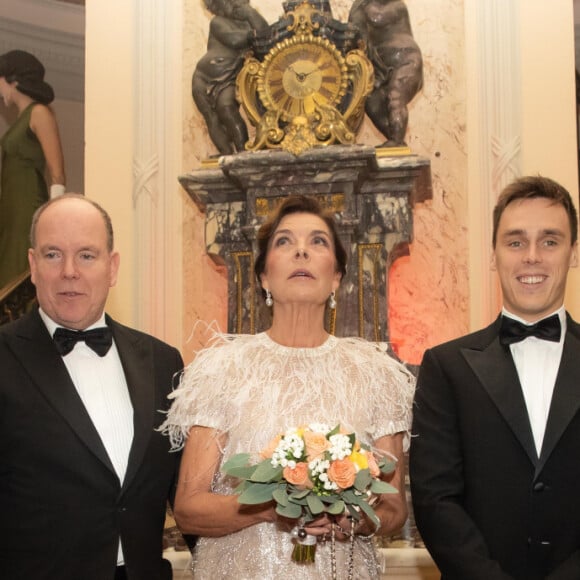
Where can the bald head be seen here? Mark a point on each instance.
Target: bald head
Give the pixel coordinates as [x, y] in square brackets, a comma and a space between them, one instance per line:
[82, 199]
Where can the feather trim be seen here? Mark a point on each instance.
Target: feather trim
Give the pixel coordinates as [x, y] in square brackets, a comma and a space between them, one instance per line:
[252, 388]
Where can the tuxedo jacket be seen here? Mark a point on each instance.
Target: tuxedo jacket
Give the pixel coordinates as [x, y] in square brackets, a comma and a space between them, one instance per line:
[487, 507]
[62, 507]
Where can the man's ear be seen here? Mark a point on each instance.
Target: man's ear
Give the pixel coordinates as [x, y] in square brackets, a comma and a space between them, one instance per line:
[32, 264]
[574, 256]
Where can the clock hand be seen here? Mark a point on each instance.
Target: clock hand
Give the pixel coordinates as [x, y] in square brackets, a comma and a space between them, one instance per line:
[300, 77]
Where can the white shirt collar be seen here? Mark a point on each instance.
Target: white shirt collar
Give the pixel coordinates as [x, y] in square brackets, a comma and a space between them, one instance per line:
[51, 325]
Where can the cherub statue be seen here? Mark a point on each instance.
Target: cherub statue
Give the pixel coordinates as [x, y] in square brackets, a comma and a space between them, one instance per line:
[213, 84]
[397, 62]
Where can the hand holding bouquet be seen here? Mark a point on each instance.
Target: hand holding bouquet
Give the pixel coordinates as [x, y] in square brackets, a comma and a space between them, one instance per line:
[312, 470]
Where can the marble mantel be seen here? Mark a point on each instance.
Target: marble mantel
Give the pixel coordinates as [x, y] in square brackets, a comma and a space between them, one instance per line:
[371, 191]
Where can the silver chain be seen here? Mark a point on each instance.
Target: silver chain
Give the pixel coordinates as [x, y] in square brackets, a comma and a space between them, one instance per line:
[333, 551]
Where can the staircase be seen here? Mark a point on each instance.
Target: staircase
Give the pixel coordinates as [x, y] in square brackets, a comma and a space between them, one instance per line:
[16, 298]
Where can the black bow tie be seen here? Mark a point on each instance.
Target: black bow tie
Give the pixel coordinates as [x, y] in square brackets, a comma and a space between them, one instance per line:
[513, 331]
[99, 339]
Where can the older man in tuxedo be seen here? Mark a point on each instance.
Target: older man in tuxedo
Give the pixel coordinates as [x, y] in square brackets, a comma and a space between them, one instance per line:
[494, 465]
[84, 476]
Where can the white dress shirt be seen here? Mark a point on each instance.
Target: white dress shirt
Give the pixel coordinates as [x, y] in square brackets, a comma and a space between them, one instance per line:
[102, 387]
[537, 362]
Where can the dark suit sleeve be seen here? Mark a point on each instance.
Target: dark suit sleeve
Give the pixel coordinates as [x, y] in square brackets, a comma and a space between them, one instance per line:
[437, 485]
[175, 378]
[568, 570]
[190, 539]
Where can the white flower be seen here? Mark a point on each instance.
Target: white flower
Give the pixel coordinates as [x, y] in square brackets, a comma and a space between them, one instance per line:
[340, 446]
[290, 446]
[319, 428]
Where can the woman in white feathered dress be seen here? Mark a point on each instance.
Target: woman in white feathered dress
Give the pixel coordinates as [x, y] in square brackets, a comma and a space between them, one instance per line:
[241, 391]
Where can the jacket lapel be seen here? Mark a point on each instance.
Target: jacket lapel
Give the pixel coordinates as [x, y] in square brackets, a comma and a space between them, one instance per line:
[496, 371]
[566, 397]
[33, 346]
[136, 353]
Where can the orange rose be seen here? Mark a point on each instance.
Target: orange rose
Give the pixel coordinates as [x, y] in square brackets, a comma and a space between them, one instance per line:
[342, 472]
[268, 451]
[298, 476]
[316, 444]
[373, 465]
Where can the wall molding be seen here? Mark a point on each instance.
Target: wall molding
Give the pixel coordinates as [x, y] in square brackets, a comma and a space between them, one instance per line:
[494, 105]
[156, 166]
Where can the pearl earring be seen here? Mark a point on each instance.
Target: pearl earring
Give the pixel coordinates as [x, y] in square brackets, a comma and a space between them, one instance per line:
[332, 301]
[269, 300]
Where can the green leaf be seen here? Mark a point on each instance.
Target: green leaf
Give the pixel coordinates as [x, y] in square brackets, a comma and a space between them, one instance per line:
[242, 472]
[258, 493]
[291, 511]
[280, 495]
[336, 508]
[352, 439]
[235, 461]
[333, 432]
[387, 466]
[265, 472]
[362, 480]
[300, 493]
[314, 503]
[300, 500]
[370, 512]
[242, 487]
[379, 486]
[353, 512]
[349, 496]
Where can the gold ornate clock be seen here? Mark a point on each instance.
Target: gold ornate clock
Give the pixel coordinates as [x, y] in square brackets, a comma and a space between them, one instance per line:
[301, 75]
[304, 93]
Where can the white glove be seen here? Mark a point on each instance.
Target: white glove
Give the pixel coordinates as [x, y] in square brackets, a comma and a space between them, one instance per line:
[56, 189]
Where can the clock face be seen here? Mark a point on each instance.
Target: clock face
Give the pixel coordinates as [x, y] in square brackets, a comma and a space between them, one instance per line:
[301, 75]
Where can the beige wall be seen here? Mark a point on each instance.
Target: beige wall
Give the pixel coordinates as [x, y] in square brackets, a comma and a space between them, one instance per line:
[448, 264]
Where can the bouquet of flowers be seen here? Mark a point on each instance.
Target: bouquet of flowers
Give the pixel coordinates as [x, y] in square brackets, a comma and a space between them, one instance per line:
[310, 470]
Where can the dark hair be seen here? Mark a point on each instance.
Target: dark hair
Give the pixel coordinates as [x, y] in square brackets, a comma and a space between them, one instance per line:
[28, 72]
[531, 187]
[297, 204]
[104, 215]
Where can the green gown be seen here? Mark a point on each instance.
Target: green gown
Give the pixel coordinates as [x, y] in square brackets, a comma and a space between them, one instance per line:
[22, 189]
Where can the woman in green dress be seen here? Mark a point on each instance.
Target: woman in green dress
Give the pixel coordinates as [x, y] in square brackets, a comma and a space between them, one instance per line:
[31, 150]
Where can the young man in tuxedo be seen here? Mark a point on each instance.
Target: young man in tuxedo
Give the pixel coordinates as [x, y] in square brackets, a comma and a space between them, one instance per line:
[494, 461]
[84, 476]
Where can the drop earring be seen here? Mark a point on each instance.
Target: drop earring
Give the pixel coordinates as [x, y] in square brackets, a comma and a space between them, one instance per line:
[332, 301]
[269, 300]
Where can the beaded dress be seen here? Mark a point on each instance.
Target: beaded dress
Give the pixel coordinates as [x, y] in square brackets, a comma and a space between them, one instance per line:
[253, 389]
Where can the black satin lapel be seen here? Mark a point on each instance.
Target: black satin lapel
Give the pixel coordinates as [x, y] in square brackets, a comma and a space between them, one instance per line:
[497, 373]
[565, 399]
[136, 354]
[33, 346]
